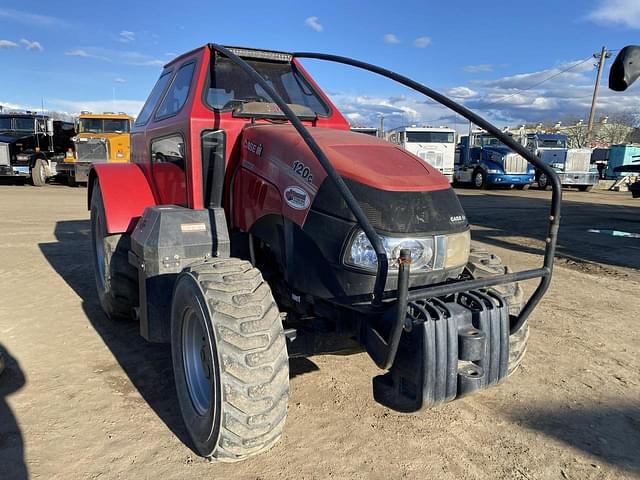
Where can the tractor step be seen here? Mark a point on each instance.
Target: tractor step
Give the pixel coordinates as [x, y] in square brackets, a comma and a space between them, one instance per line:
[451, 349]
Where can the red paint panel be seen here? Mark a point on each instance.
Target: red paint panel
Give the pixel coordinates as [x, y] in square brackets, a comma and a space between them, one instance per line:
[125, 193]
[253, 198]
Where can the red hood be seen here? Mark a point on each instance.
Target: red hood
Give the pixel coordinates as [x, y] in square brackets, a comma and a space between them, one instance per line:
[362, 158]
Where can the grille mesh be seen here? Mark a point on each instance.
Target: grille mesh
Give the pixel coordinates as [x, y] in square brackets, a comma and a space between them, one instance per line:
[92, 151]
[578, 160]
[4, 154]
[515, 164]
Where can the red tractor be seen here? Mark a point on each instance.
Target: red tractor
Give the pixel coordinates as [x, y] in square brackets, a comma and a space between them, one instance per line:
[253, 226]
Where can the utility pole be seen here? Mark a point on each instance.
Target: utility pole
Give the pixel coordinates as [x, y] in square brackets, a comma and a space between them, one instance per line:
[381, 132]
[602, 58]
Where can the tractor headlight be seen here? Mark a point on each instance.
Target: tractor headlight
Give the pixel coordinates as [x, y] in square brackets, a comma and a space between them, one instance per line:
[427, 253]
[558, 166]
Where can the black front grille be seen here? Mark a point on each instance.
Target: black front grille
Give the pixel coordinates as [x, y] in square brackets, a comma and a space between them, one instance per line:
[434, 212]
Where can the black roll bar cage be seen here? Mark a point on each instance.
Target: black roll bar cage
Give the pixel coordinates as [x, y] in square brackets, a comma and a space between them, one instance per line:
[383, 351]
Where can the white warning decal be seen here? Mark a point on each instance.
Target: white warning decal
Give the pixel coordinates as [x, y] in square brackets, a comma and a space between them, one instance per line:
[296, 198]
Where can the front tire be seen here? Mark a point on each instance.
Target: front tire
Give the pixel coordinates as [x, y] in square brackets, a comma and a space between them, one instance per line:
[39, 173]
[479, 179]
[116, 279]
[229, 358]
[483, 264]
[543, 182]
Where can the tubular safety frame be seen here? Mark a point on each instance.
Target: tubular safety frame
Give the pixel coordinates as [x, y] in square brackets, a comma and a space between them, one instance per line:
[384, 351]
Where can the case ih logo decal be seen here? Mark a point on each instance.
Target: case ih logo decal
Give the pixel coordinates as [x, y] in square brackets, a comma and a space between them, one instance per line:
[253, 148]
[296, 198]
[457, 218]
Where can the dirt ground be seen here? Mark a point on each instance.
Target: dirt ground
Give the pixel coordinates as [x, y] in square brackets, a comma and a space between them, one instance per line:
[83, 397]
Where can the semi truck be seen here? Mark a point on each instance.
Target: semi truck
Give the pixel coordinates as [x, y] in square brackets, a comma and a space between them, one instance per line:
[434, 145]
[32, 145]
[573, 165]
[102, 138]
[487, 161]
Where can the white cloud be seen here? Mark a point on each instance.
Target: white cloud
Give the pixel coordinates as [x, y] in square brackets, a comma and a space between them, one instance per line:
[131, 107]
[391, 38]
[422, 42]
[152, 63]
[7, 44]
[462, 93]
[617, 12]
[171, 54]
[32, 18]
[117, 56]
[127, 36]
[119, 80]
[29, 45]
[79, 53]
[314, 24]
[483, 67]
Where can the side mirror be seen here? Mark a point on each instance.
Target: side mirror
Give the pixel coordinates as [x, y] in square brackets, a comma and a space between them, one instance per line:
[625, 69]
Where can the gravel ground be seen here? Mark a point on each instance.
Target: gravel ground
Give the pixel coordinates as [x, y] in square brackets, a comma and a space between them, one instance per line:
[84, 397]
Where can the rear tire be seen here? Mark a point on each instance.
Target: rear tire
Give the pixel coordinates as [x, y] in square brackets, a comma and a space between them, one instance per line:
[39, 173]
[230, 359]
[483, 264]
[116, 279]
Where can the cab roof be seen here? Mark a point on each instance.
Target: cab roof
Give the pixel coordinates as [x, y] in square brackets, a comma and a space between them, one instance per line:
[116, 116]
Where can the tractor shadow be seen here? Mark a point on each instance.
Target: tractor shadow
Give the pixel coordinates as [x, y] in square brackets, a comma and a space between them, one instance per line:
[519, 223]
[611, 433]
[148, 365]
[12, 465]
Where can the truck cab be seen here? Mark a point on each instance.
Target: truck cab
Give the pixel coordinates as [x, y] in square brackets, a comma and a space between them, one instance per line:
[486, 161]
[32, 145]
[102, 138]
[573, 165]
[434, 145]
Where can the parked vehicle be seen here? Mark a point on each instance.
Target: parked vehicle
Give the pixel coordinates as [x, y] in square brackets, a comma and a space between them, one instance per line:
[32, 145]
[487, 161]
[573, 165]
[436, 146]
[253, 225]
[373, 131]
[102, 137]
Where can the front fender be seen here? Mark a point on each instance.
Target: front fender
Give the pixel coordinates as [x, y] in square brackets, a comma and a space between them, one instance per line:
[126, 192]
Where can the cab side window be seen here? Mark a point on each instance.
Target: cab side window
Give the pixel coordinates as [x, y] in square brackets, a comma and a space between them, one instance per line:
[178, 92]
[168, 159]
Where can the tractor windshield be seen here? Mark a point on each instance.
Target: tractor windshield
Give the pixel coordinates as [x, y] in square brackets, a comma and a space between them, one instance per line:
[5, 124]
[232, 90]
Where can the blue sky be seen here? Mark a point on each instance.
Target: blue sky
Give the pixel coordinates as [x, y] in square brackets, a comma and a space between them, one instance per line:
[489, 55]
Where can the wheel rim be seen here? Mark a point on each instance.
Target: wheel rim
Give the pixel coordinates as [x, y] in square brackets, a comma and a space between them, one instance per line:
[99, 246]
[478, 180]
[542, 180]
[197, 360]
